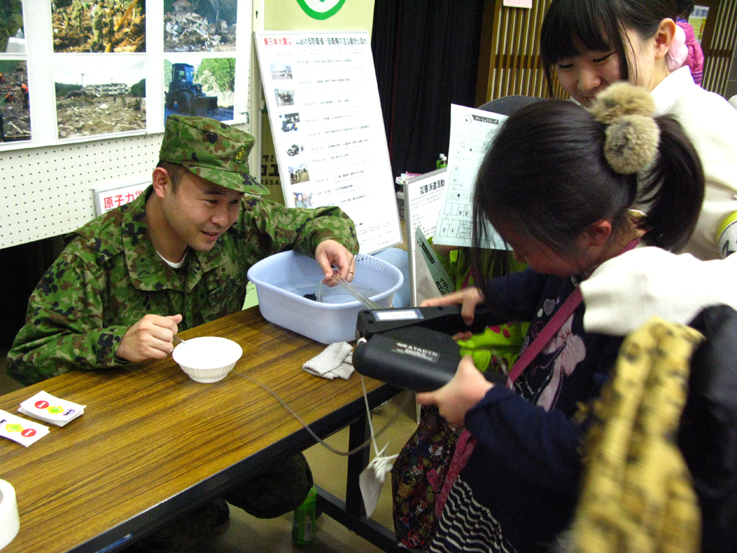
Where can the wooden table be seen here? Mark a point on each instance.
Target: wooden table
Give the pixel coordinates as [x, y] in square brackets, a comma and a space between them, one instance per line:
[153, 443]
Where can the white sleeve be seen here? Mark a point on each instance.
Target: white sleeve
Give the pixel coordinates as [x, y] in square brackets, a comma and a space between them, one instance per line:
[625, 291]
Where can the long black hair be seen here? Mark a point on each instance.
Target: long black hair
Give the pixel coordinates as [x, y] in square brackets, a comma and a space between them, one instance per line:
[546, 177]
[572, 27]
[685, 8]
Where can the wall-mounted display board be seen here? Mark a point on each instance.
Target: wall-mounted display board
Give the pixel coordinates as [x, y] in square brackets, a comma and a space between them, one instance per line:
[77, 70]
[327, 128]
[85, 89]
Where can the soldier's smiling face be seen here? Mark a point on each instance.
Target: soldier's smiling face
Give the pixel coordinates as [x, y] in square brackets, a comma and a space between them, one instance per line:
[199, 211]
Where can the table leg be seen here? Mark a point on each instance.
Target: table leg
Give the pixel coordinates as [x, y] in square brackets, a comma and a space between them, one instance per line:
[359, 433]
[368, 529]
[352, 513]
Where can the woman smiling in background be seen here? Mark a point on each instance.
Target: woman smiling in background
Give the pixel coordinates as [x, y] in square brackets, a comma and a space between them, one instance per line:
[588, 45]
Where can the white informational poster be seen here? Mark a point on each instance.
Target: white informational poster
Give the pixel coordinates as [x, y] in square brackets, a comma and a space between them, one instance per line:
[423, 196]
[471, 133]
[328, 129]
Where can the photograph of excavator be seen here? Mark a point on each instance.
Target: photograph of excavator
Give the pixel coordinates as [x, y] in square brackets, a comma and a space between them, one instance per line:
[202, 86]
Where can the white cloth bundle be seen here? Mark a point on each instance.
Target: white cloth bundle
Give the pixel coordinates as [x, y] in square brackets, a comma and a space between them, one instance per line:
[335, 361]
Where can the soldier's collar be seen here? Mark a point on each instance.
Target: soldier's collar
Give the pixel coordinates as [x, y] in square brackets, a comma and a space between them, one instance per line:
[213, 258]
[146, 269]
[173, 265]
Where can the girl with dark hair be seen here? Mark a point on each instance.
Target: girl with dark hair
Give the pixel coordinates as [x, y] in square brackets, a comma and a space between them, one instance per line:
[589, 44]
[558, 184]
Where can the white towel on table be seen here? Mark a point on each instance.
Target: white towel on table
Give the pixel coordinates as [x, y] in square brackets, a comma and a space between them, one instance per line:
[335, 361]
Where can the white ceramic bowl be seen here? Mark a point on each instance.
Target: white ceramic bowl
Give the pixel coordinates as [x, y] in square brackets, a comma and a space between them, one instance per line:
[9, 521]
[207, 359]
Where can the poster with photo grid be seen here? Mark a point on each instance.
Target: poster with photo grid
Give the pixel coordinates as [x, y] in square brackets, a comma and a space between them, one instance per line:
[326, 122]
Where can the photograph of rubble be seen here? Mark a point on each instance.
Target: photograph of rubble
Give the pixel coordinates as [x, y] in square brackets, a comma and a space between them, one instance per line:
[99, 25]
[298, 174]
[284, 96]
[97, 97]
[200, 25]
[15, 111]
[12, 37]
[280, 71]
[199, 86]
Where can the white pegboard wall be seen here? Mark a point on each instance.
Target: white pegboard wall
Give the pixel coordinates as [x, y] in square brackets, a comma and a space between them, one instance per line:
[49, 191]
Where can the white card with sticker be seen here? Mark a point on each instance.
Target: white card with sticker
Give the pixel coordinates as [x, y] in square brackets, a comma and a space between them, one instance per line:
[51, 409]
[20, 430]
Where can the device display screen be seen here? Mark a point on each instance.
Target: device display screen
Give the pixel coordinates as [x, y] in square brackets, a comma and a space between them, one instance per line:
[398, 315]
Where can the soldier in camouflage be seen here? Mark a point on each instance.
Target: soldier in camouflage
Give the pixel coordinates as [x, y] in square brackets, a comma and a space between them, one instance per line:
[97, 17]
[176, 257]
[77, 12]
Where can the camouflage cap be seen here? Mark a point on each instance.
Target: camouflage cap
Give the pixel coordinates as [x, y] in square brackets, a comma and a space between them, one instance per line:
[212, 150]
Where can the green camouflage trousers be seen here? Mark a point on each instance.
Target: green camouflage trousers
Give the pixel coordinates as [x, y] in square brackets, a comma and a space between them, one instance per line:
[281, 489]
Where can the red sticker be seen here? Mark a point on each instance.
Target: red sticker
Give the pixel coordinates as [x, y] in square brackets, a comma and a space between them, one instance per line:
[41, 404]
[28, 432]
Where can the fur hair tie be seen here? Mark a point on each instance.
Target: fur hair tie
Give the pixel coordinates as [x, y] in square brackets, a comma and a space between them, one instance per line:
[632, 135]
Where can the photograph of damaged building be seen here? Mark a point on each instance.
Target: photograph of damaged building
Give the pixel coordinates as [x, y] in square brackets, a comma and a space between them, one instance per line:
[199, 25]
[94, 97]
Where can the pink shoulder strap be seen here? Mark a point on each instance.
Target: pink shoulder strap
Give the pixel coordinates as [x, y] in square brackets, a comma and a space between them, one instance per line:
[554, 324]
[547, 334]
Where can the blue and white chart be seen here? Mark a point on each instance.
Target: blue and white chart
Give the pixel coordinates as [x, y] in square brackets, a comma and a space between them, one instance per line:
[471, 133]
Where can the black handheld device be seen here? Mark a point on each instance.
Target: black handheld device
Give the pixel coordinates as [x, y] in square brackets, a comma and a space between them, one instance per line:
[444, 318]
[416, 358]
[412, 348]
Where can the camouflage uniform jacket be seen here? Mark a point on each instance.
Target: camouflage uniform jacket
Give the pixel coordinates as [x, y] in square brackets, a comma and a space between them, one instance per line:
[109, 276]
